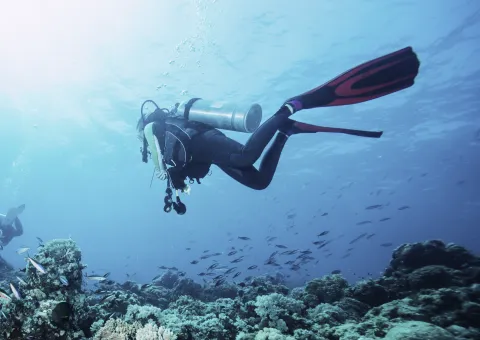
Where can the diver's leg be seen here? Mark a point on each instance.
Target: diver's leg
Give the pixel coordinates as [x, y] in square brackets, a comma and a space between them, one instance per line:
[259, 179]
[255, 145]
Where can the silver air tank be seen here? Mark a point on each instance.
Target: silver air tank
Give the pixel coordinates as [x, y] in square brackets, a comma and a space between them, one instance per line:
[222, 115]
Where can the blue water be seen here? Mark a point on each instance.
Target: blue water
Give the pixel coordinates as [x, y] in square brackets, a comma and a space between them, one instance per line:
[73, 77]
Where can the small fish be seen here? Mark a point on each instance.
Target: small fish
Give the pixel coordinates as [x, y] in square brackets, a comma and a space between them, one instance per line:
[237, 260]
[219, 282]
[273, 254]
[231, 270]
[63, 280]
[403, 207]
[37, 266]
[157, 277]
[323, 233]
[22, 250]
[97, 277]
[252, 267]
[295, 267]
[213, 266]
[384, 219]
[237, 274]
[375, 206]
[281, 246]
[244, 238]
[324, 214]
[271, 261]
[388, 244]
[188, 248]
[40, 241]
[194, 262]
[15, 292]
[108, 298]
[336, 271]
[364, 222]
[233, 252]
[12, 214]
[370, 236]
[21, 281]
[358, 238]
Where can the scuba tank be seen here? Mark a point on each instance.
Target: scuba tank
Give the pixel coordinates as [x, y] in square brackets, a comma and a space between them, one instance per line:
[221, 115]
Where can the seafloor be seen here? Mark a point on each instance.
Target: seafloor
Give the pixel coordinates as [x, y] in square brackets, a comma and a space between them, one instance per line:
[429, 291]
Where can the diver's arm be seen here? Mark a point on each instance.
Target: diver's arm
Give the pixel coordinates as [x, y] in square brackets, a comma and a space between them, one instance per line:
[154, 145]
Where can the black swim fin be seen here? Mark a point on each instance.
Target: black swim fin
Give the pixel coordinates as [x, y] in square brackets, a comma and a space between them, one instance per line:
[376, 78]
[295, 127]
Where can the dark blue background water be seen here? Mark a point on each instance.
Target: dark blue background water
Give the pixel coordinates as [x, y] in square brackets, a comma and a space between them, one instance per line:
[74, 75]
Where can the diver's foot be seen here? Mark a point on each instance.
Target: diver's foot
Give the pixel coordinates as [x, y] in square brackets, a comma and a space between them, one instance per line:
[289, 108]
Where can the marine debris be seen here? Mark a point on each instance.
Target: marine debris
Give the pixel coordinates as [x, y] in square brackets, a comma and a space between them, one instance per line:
[430, 290]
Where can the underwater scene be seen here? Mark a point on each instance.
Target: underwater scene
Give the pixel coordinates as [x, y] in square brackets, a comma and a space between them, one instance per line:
[240, 170]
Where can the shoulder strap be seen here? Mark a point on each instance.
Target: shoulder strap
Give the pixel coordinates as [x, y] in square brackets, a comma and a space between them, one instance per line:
[184, 139]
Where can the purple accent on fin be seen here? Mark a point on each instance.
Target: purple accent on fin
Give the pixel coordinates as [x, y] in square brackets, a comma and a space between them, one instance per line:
[297, 105]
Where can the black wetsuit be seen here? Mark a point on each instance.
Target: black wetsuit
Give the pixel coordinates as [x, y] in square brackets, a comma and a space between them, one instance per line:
[191, 148]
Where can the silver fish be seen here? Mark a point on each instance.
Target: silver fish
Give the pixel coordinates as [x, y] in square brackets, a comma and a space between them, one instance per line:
[37, 265]
[22, 250]
[15, 292]
[97, 277]
[12, 214]
[63, 280]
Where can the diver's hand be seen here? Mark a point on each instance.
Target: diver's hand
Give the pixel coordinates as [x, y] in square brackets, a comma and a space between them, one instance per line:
[161, 174]
[187, 189]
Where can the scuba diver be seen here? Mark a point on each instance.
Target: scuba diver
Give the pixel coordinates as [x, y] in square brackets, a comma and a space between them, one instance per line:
[184, 142]
[10, 225]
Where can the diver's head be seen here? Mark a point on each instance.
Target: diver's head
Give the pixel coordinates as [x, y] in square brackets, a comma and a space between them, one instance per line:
[146, 118]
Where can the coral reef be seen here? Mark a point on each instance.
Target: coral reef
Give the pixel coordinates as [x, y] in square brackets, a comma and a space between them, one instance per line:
[430, 290]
